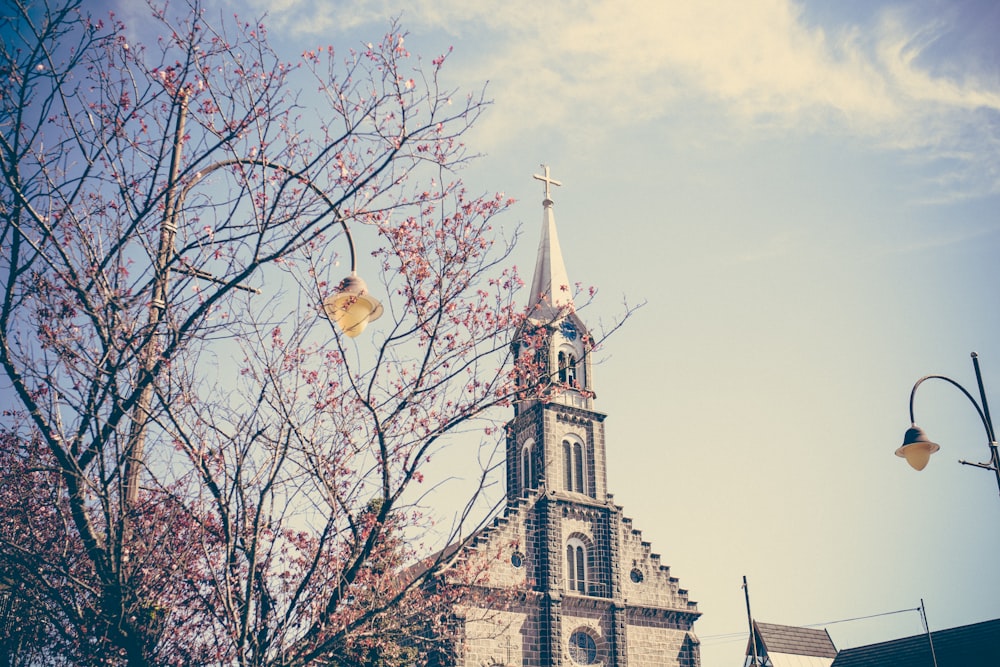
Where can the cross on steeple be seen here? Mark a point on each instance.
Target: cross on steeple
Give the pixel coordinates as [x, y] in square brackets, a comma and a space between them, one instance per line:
[548, 181]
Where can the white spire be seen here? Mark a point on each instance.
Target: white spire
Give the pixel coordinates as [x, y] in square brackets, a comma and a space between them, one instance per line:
[551, 294]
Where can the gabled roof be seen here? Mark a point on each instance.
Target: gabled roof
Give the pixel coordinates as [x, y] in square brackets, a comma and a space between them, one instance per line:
[976, 645]
[790, 646]
[795, 641]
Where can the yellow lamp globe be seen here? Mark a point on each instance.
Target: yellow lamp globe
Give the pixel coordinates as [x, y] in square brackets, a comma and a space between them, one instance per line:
[351, 307]
[917, 448]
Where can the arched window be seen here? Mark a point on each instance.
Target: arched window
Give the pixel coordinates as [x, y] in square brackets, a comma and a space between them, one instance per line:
[568, 464]
[567, 368]
[529, 476]
[578, 478]
[532, 364]
[576, 565]
[574, 465]
[570, 370]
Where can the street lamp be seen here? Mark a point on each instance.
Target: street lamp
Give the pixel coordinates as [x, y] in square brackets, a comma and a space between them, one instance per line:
[917, 447]
[350, 306]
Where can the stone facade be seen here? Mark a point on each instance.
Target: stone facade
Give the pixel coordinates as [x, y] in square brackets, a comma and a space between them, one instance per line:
[581, 586]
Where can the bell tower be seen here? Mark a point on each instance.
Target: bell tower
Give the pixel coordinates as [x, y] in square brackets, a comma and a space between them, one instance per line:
[561, 438]
[589, 589]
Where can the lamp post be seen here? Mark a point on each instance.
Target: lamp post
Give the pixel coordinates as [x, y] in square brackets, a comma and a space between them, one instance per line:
[350, 306]
[917, 447]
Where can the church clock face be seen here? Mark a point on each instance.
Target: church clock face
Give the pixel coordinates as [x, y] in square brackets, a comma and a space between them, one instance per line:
[568, 329]
[583, 648]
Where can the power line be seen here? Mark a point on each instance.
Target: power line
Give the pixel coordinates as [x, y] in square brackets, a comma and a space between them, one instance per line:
[861, 618]
[733, 636]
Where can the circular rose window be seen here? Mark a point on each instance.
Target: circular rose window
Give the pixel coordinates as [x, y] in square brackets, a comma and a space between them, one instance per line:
[583, 648]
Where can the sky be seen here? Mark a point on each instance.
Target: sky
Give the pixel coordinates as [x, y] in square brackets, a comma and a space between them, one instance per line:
[806, 198]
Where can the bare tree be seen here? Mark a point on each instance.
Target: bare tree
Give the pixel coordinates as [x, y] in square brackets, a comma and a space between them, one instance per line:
[198, 467]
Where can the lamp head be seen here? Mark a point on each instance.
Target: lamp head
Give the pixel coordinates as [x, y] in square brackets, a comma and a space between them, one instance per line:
[351, 307]
[917, 448]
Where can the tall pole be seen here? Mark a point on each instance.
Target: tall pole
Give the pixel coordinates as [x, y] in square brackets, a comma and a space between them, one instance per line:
[753, 635]
[988, 423]
[157, 309]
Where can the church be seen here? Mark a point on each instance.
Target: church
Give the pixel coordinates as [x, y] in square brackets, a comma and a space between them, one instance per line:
[589, 590]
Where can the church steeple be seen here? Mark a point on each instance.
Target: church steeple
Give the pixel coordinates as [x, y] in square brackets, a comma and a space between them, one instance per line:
[551, 295]
[560, 344]
[588, 590]
[565, 359]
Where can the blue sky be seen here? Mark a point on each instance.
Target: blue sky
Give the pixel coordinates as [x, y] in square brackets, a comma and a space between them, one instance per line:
[807, 197]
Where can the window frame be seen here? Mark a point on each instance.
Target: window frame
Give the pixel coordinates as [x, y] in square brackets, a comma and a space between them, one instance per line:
[577, 565]
[575, 465]
[529, 471]
[583, 652]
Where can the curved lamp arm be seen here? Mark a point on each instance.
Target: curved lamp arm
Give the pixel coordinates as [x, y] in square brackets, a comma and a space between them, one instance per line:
[917, 447]
[982, 415]
[262, 162]
[350, 306]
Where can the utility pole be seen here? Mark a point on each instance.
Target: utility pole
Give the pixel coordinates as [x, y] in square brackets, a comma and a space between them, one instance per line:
[753, 634]
[157, 310]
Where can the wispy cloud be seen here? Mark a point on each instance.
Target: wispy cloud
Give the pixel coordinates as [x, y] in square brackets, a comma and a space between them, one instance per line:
[593, 65]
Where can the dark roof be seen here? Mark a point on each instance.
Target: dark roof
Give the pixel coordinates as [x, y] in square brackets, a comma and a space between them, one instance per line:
[795, 641]
[976, 645]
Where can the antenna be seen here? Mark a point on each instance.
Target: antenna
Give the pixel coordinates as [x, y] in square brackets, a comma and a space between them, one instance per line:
[753, 635]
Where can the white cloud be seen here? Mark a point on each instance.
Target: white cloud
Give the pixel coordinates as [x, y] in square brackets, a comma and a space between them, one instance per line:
[589, 66]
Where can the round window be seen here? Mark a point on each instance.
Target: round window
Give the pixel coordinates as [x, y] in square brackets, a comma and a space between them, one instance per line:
[583, 648]
[636, 575]
[517, 559]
